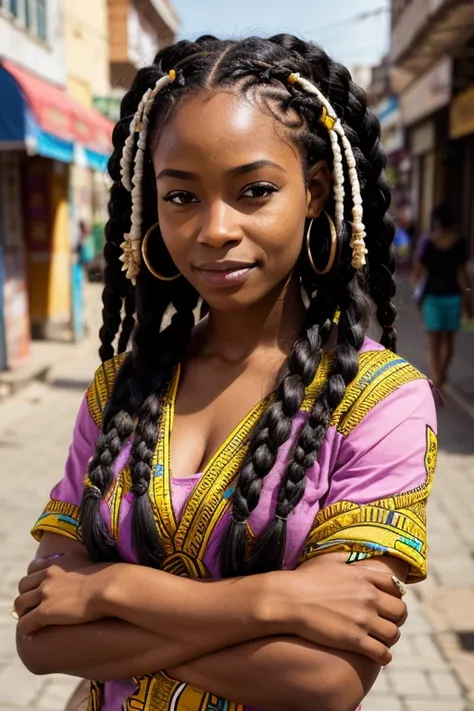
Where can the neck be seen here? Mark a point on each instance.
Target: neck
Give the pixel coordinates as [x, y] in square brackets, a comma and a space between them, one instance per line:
[272, 324]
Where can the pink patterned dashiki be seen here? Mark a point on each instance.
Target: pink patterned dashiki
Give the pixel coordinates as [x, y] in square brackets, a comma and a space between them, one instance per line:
[366, 495]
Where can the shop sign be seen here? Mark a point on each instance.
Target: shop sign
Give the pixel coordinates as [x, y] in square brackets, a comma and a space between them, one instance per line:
[462, 114]
[431, 92]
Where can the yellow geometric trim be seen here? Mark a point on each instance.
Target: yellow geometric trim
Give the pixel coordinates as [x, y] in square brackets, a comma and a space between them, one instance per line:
[161, 693]
[380, 374]
[101, 387]
[395, 525]
[58, 517]
[113, 499]
[96, 696]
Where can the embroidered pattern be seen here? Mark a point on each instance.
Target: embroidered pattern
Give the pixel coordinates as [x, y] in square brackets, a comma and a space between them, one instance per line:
[395, 525]
[96, 696]
[58, 517]
[161, 693]
[380, 374]
[101, 387]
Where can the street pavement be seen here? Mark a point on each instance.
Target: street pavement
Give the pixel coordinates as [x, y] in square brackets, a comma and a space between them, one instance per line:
[433, 667]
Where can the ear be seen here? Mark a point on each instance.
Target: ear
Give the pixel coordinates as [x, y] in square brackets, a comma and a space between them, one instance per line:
[318, 187]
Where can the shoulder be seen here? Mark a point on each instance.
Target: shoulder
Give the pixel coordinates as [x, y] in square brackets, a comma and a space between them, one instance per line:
[383, 378]
[102, 385]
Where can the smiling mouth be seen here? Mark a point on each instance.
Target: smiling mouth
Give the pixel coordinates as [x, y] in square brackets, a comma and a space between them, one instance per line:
[230, 276]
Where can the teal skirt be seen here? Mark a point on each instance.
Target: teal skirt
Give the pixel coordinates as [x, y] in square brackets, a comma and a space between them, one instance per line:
[441, 313]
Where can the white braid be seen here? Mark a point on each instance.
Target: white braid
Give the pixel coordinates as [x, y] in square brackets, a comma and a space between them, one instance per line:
[336, 131]
[133, 181]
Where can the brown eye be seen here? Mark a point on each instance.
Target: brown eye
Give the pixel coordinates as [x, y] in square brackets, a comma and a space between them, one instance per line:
[259, 190]
[181, 197]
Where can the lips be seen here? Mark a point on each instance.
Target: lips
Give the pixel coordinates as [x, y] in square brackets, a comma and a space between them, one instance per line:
[226, 273]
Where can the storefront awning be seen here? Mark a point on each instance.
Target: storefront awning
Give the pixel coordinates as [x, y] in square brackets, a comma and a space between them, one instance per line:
[42, 118]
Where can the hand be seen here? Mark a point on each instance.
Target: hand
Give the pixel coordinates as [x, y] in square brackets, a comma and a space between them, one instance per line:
[59, 591]
[346, 607]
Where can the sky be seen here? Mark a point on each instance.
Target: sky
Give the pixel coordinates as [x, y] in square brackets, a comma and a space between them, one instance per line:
[331, 23]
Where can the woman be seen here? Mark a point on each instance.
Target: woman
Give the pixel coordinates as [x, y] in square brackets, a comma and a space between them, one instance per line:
[243, 171]
[441, 270]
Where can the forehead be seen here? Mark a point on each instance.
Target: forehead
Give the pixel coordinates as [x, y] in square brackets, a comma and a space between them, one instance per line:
[225, 127]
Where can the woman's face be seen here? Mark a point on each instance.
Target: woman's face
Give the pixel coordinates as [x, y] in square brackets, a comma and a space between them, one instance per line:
[232, 198]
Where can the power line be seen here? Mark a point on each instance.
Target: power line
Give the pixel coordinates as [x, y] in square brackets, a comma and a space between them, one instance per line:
[360, 17]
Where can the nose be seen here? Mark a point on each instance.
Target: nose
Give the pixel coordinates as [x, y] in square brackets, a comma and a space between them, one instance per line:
[220, 227]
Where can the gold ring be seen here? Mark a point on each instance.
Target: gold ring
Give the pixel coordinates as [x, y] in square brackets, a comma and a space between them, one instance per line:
[399, 585]
[13, 613]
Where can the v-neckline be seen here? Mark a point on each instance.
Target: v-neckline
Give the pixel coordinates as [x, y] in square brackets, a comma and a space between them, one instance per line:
[214, 483]
[174, 387]
[210, 497]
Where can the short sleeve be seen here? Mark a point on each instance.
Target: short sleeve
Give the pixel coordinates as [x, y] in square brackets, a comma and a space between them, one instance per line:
[61, 514]
[376, 502]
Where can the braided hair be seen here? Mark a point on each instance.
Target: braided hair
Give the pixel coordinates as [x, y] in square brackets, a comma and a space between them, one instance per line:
[258, 68]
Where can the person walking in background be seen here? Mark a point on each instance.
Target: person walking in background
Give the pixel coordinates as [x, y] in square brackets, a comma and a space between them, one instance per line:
[442, 288]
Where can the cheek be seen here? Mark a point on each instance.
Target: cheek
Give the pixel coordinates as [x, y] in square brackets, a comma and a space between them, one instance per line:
[282, 239]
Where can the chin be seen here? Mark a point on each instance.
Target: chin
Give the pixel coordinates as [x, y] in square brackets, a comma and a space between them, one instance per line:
[231, 300]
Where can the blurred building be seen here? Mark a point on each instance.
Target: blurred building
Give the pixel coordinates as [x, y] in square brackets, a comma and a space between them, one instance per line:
[86, 33]
[432, 50]
[137, 29]
[63, 65]
[383, 99]
[44, 132]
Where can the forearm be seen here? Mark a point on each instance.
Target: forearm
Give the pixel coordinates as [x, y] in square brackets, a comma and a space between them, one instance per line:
[206, 616]
[106, 650]
[283, 674]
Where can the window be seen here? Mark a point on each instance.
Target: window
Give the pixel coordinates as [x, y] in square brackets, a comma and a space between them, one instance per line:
[31, 13]
[28, 15]
[41, 19]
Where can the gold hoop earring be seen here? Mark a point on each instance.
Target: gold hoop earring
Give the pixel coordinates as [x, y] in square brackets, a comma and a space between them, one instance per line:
[150, 268]
[332, 253]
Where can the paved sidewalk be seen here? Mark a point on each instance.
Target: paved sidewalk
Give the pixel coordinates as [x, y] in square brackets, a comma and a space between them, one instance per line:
[431, 669]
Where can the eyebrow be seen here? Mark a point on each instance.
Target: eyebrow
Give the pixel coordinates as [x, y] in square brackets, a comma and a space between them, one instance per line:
[250, 167]
[173, 173]
[239, 170]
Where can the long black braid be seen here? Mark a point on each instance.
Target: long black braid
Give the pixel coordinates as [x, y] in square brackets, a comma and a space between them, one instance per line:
[259, 68]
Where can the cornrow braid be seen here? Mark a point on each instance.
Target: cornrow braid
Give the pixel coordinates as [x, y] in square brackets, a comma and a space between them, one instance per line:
[270, 547]
[273, 431]
[172, 343]
[128, 323]
[93, 529]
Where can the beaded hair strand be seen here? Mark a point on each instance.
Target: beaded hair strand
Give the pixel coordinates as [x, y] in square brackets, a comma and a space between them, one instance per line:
[132, 180]
[330, 120]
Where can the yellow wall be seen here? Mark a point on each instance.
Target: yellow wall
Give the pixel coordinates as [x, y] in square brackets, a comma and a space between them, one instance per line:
[59, 297]
[48, 249]
[87, 48]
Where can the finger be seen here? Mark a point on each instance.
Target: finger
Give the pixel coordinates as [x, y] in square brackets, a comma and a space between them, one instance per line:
[382, 581]
[42, 563]
[30, 582]
[31, 622]
[384, 631]
[374, 649]
[391, 608]
[24, 603]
